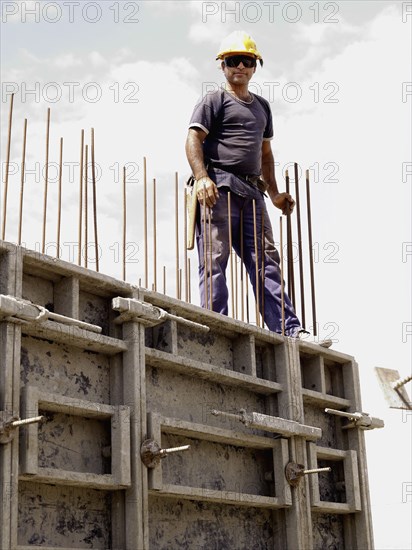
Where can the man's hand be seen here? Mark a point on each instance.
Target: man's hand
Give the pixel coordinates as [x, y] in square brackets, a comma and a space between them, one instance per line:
[207, 189]
[284, 202]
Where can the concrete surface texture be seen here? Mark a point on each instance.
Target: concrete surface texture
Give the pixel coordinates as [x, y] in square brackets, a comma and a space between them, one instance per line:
[247, 401]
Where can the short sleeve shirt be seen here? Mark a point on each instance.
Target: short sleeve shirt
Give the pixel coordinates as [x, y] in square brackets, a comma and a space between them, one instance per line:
[235, 131]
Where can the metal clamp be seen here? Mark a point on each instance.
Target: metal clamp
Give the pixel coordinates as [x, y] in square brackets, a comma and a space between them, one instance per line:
[8, 427]
[358, 420]
[151, 453]
[294, 472]
[148, 314]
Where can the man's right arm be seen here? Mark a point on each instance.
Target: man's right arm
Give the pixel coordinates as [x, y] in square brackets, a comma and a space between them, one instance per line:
[194, 152]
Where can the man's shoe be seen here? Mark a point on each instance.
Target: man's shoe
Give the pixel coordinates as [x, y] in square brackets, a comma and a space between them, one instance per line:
[305, 336]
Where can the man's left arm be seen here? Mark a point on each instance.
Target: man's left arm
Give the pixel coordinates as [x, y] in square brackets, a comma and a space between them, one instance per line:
[283, 201]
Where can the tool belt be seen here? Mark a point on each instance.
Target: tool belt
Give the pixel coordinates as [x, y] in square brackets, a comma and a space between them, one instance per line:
[256, 181]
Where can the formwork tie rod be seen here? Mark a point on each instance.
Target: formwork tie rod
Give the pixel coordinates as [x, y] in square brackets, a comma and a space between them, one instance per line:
[7, 429]
[294, 472]
[151, 453]
[274, 424]
[358, 420]
[24, 310]
[148, 314]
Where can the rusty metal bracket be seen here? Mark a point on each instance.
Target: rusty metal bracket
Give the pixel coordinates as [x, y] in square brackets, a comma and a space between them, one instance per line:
[295, 472]
[151, 453]
[358, 420]
[8, 427]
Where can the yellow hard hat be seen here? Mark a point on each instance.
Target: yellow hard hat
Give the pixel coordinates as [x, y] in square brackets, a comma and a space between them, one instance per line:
[239, 42]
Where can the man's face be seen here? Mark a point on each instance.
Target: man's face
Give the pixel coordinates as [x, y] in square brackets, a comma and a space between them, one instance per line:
[236, 71]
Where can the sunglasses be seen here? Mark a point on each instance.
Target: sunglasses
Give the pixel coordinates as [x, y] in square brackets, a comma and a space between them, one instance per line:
[235, 60]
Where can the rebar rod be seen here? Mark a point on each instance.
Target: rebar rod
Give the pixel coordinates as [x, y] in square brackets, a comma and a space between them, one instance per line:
[263, 268]
[164, 279]
[229, 217]
[291, 270]
[23, 165]
[206, 293]
[236, 286]
[6, 175]
[86, 207]
[79, 255]
[185, 243]
[145, 242]
[59, 200]
[189, 286]
[256, 265]
[311, 264]
[209, 219]
[154, 237]
[96, 242]
[124, 222]
[177, 234]
[241, 269]
[282, 284]
[46, 182]
[302, 288]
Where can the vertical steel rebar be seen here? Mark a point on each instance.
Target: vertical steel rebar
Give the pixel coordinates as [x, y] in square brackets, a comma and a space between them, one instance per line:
[79, 256]
[189, 286]
[282, 284]
[59, 200]
[236, 285]
[154, 238]
[302, 288]
[46, 182]
[164, 279]
[6, 175]
[312, 271]
[124, 222]
[96, 242]
[177, 234]
[145, 243]
[256, 264]
[241, 268]
[185, 243]
[229, 217]
[289, 248]
[23, 164]
[86, 208]
[209, 219]
[263, 268]
[206, 288]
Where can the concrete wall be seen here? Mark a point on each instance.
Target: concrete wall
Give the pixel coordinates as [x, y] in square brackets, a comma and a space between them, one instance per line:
[76, 480]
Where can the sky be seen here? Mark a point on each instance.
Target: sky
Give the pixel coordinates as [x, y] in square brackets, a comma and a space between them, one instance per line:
[338, 79]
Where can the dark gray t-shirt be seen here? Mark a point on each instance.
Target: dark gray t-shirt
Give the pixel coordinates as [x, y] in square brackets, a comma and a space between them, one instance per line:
[235, 131]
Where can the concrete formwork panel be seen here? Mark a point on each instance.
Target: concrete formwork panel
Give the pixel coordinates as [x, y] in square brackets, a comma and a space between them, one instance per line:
[246, 400]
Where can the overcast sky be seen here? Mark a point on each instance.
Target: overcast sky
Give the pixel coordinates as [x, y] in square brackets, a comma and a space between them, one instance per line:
[338, 78]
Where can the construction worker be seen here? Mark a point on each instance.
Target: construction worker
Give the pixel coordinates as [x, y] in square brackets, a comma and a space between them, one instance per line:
[228, 149]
